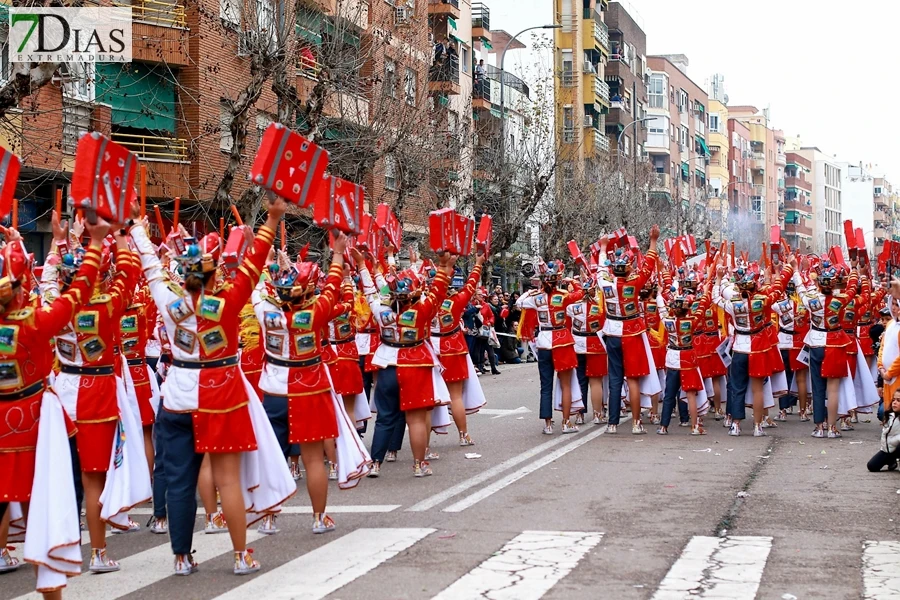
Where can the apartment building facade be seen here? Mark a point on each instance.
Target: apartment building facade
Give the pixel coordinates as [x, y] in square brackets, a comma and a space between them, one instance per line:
[885, 216]
[719, 144]
[581, 94]
[798, 220]
[626, 75]
[827, 229]
[765, 206]
[676, 138]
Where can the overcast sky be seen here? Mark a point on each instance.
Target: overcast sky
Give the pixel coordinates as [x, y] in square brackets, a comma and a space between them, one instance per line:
[826, 69]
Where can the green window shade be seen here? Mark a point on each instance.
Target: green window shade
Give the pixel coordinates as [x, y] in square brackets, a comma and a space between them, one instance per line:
[451, 22]
[487, 44]
[141, 96]
[309, 26]
[700, 173]
[703, 145]
[685, 170]
[346, 29]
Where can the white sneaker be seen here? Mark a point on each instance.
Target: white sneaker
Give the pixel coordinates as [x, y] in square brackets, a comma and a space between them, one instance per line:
[332, 473]
[579, 419]
[735, 429]
[612, 428]
[375, 471]
[727, 422]
[548, 429]
[244, 563]
[391, 456]
[160, 525]
[465, 440]
[567, 427]
[215, 523]
[296, 473]
[268, 527]
[322, 523]
[596, 420]
[845, 426]
[132, 526]
[101, 563]
[758, 431]
[185, 564]
[854, 418]
[638, 429]
[834, 433]
[818, 433]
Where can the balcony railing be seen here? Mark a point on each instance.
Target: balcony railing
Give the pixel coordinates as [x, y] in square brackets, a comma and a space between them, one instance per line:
[453, 3]
[601, 142]
[781, 183]
[660, 182]
[156, 12]
[798, 183]
[481, 90]
[601, 34]
[601, 89]
[509, 80]
[879, 215]
[567, 78]
[568, 135]
[446, 70]
[759, 190]
[152, 147]
[481, 16]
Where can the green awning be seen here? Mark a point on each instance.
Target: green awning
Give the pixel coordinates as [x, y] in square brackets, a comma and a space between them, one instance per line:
[141, 96]
[444, 100]
[700, 107]
[458, 39]
[351, 38]
[495, 112]
[486, 44]
[310, 24]
[451, 22]
[703, 145]
[700, 173]
[685, 170]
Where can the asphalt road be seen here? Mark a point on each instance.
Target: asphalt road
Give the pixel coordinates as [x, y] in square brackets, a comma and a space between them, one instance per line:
[588, 515]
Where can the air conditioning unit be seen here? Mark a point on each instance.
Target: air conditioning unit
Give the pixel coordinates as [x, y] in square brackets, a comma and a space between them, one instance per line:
[402, 15]
[588, 121]
[247, 42]
[587, 67]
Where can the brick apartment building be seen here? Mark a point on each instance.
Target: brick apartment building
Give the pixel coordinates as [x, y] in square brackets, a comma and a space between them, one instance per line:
[625, 75]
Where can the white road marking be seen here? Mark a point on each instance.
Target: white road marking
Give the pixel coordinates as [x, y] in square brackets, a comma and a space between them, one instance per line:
[145, 568]
[713, 567]
[330, 567]
[503, 412]
[476, 480]
[881, 570]
[495, 487]
[525, 568]
[307, 510]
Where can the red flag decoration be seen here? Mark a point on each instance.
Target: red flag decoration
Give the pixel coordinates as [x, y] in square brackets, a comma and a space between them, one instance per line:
[9, 178]
[618, 238]
[465, 234]
[836, 256]
[885, 257]
[676, 256]
[289, 165]
[387, 221]
[104, 177]
[860, 238]
[240, 238]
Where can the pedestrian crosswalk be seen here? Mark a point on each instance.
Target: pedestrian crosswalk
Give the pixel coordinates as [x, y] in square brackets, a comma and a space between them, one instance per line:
[524, 566]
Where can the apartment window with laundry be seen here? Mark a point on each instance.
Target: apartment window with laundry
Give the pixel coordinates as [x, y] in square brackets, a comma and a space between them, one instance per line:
[409, 87]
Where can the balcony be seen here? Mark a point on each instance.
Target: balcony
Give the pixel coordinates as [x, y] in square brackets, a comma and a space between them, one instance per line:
[780, 158]
[880, 232]
[481, 95]
[444, 7]
[567, 78]
[481, 22]
[880, 215]
[797, 228]
[601, 142]
[443, 78]
[798, 205]
[660, 182]
[781, 183]
[797, 183]
[797, 161]
[596, 90]
[601, 36]
[159, 31]
[152, 147]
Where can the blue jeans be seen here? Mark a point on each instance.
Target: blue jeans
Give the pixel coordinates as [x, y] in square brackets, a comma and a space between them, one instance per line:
[583, 382]
[616, 377]
[390, 418]
[789, 399]
[76, 473]
[673, 390]
[546, 373]
[182, 467]
[738, 382]
[819, 385]
[160, 483]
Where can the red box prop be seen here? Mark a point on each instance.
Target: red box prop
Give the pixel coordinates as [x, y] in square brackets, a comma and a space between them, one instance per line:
[104, 177]
[342, 209]
[387, 221]
[289, 165]
[9, 178]
[239, 241]
[485, 235]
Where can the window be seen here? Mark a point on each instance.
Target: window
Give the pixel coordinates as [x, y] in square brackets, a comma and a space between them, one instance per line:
[627, 141]
[262, 121]
[226, 142]
[568, 124]
[265, 21]
[658, 125]
[76, 120]
[734, 168]
[390, 78]
[230, 12]
[390, 173]
[77, 81]
[684, 136]
[657, 91]
[464, 58]
[682, 101]
[4, 57]
[672, 132]
[409, 87]
[714, 122]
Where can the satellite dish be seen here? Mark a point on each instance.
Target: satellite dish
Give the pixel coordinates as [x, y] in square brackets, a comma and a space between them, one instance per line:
[726, 99]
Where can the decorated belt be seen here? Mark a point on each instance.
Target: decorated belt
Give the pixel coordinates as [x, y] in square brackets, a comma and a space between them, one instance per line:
[205, 364]
[752, 331]
[280, 362]
[165, 359]
[850, 332]
[443, 334]
[616, 318]
[393, 344]
[31, 390]
[814, 328]
[783, 330]
[347, 341]
[681, 347]
[72, 370]
[135, 362]
[367, 331]
[711, 333]
[585, 333]
[557, 328]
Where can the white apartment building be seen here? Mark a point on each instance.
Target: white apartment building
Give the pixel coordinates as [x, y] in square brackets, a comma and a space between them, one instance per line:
[858, 198]
[827, 205]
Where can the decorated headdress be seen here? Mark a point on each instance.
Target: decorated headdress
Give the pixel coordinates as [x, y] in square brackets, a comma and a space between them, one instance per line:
[13, 268]
[746, 278]
[550, 272]
[622, 262]
[827, 275]
[199, 258]
[298, 280]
